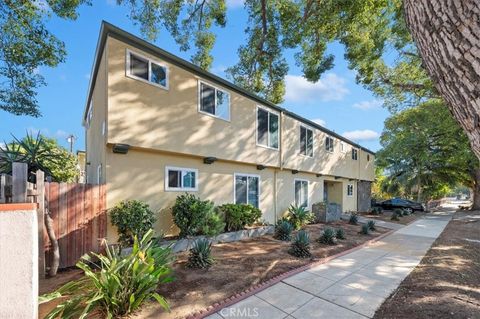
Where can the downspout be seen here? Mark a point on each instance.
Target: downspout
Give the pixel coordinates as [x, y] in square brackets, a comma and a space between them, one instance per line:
[275, 177]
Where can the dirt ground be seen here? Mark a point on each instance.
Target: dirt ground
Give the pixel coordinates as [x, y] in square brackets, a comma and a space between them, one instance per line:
[238, 266]
[446, 284]
[387, 215]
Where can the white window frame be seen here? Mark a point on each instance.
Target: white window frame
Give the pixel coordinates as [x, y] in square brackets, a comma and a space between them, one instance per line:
[343, 147]
[333, 144]
[348, 188]
[150, 61]
[199, 107]
[246, 175]
[354, 150]
[99, 173]
[308, 189]
[183, 170]
[268, 124]
[313, 141]
[88, 120]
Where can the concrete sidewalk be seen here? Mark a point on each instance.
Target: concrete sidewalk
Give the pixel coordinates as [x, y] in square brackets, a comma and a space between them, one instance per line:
[351, 286]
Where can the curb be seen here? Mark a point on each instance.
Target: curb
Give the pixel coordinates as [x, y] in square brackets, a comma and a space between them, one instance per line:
[272, 281]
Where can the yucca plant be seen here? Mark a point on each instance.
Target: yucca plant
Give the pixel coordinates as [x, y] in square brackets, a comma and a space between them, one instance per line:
[371, 225]
[365, 230]
[115, 285]
[200, 254]
[340, 234]
[301, 245]
[283, 231]
[328, 237]
[299, 216]
[353, 219]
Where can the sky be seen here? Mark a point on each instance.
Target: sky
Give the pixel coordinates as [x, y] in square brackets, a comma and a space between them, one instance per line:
[335, 101]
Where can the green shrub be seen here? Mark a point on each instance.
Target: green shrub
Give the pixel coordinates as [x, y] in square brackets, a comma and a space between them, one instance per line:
[365, 230]
[191, 214]
[237, 216]
[132, 218]
[353, 219]
[376, 210]
[299, 216]
[301, 245]
[340, 234]
[212, 225]
[283, 230]
[371, 225]
[120, 287]
[328, 237]
[200, 254]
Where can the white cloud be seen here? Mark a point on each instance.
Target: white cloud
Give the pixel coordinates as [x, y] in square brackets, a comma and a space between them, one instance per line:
[2, 145]
[232, 4]
[330, 88]
[361, 135]
[320, 122]
[368, 105]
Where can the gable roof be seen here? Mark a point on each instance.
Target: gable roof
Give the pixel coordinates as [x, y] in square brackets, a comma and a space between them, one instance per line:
[109, 30]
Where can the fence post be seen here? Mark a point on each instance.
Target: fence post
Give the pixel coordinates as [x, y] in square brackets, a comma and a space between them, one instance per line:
[3, 184]
[41, 222]
[19, 182]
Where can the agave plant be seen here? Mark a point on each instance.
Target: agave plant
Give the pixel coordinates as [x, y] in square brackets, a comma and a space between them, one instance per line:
[283, 230]
[299, 216]
[328, 237]
[395, 217]
[115, 285]
[371, 225]
[353, 219]
[340, 234]
[200, 254]
[365, 230]
[301, 245]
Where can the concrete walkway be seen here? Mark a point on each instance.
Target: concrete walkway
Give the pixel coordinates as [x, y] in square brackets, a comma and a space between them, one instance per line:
[350, 286]
[378, 222]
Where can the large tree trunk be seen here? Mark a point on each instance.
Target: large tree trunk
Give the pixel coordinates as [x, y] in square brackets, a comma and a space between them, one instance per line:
[476, 190]
[447, 35]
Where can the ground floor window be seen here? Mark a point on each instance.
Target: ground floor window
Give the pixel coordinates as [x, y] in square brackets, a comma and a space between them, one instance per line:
[349, 190]
[247, 189]
[180, 179]
[301, 193]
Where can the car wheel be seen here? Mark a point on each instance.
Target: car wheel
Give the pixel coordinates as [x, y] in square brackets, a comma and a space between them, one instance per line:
[408, 210]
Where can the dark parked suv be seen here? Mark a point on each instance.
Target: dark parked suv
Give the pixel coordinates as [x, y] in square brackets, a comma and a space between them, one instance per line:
[408, 205]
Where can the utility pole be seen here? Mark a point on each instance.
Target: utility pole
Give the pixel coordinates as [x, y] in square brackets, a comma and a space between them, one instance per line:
[71, 139]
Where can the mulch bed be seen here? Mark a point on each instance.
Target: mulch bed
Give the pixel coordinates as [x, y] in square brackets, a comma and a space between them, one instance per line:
[238, 266]
[387, 215]
[446, 284]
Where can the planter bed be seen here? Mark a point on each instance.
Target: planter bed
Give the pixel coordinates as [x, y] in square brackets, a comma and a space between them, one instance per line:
[387, 217]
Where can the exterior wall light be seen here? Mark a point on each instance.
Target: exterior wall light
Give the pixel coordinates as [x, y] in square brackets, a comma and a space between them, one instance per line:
[261, 167]
[121, 148]
[295, 171]
[319, 175]
[209, 160]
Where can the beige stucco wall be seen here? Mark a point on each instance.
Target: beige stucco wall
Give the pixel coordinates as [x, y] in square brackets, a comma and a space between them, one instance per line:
[18, 264]
[95, 141]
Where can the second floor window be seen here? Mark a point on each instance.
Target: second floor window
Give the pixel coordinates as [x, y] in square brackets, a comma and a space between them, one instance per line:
[354, 154]
[144, 69]
[214, 101]
[267, 128]
[349, 190]
[306, 141]
[329, 144]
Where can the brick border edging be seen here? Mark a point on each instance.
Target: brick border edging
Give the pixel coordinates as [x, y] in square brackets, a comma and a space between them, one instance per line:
[264, 285]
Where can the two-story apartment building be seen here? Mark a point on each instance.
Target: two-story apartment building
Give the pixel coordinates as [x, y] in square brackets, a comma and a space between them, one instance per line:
[158, 126]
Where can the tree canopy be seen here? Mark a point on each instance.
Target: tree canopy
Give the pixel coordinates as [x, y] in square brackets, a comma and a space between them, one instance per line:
[425, 152]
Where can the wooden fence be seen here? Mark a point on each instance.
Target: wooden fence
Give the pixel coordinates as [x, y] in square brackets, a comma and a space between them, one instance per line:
[77, 210]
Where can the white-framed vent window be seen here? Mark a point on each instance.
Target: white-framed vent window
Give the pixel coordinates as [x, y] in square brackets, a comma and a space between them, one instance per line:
[181, 179]
[213, 101]
[354, 154]
[89, 118]
[350, 190]
[329, 144]
[306, 141]
[267, 128]
[343, 147]
[247, 189]
[147, 70]
[301, 193]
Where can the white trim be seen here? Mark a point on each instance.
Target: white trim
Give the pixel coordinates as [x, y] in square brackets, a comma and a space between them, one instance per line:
[150, 61]
[199, 98]
[308, 190]
[268, 124]
[246, 175]
[104, 128]
[343, 147]
[313, 141]
[99, 173]
[182, 170]
[351, 195]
